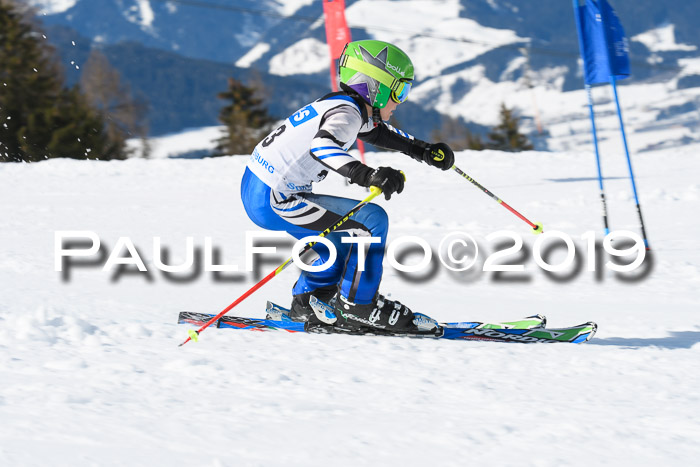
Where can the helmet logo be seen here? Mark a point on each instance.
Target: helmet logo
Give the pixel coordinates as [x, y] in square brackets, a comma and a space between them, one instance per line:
[379, 61]
[396, 69]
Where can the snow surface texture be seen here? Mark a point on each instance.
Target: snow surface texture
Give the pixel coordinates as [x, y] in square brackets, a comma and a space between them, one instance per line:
[92, 374]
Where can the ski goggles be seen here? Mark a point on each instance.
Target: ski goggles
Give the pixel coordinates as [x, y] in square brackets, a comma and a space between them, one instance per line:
[400, 88]
[400, 94]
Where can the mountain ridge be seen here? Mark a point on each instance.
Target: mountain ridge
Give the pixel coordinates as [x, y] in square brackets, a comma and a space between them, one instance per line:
[515, 43]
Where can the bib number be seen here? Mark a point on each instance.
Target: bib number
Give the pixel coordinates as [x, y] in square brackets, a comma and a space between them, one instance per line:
[271, 138]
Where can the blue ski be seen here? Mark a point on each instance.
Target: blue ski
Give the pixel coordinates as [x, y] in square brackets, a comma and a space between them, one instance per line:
[528, 332]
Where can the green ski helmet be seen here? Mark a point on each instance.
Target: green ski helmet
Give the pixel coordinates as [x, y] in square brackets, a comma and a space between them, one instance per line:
[377, 71]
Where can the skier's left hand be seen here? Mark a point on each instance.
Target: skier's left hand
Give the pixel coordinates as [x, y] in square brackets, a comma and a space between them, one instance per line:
[439, 155]
[389, 180]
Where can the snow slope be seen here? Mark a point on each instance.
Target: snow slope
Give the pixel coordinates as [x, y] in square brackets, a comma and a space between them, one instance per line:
[92, 374]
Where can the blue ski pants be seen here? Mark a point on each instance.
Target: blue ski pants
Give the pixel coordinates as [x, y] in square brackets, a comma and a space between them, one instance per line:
[307, 214]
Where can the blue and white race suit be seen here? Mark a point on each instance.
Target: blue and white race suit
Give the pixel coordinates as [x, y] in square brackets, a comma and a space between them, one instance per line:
[277, 188]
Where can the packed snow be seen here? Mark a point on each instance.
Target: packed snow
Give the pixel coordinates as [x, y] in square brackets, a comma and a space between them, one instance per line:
[92, 372]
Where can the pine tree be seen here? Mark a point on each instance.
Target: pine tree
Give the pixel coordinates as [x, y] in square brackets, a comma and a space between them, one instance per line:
[39, 118]
[506, 135]
[76, 132]
[27, 78]
[245, 118]
[473, 141]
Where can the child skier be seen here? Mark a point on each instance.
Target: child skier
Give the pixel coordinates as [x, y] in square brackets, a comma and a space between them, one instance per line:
[277, 191]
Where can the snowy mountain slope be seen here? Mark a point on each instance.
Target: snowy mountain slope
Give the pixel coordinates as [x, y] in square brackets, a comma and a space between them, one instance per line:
[215, 30]
[469, 55]
[193, 27]
[656, 115]
[91, 369]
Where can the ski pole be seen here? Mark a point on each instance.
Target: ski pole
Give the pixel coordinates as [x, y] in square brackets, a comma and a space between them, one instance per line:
[194, 335]
[536, 227]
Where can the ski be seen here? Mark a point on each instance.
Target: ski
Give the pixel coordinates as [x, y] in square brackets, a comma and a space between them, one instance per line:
[278, 313]
[528, 332]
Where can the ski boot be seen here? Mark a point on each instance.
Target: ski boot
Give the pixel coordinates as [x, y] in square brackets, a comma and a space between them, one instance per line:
[381, 313]
[327, 314]
[302, 311]
[425, 323]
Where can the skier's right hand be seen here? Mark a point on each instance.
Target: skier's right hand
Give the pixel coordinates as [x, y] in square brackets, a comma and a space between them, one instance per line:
[389, 180]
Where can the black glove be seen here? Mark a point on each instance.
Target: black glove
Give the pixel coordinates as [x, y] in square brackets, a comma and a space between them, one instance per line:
[438, 155]
[389, 180]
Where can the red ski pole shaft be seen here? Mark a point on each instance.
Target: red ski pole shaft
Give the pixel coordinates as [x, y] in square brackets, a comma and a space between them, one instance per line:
[374, 193]
[536, 227]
